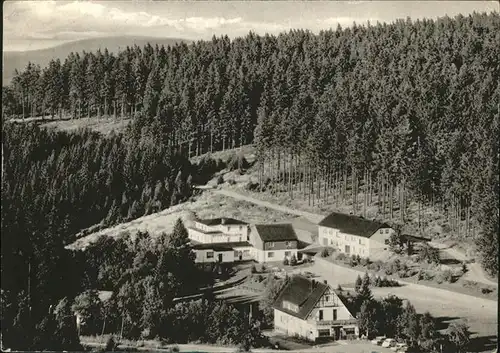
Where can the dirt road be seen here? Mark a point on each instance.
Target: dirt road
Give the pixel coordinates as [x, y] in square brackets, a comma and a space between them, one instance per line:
[481, 314]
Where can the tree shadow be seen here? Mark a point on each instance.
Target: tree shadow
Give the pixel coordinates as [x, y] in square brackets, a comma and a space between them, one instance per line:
[448, 261]
[442, 322]
[483, 343]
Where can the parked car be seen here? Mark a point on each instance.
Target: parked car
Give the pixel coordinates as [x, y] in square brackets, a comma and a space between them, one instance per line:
[378, 340]
[399, 346]
[389, 342]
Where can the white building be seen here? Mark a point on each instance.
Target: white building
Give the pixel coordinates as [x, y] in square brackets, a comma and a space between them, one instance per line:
[218, 230]
[354, 235]
[222, 252]
[313, 310]
[273, 242]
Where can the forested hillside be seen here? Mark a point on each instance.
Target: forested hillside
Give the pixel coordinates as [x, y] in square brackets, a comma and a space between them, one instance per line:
[403, 111]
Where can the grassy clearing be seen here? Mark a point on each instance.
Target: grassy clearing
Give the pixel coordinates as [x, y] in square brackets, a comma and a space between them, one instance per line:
[206, 205]
[104, 124]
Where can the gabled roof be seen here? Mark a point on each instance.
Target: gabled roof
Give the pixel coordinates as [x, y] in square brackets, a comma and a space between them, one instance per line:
[276, 232]
[351, 224]
[221, 220]
[302, 292]
[219, 246]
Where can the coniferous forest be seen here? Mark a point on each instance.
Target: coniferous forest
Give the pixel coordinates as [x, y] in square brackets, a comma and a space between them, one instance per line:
[397, 112]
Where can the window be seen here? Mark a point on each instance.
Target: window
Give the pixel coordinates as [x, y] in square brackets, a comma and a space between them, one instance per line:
[387, 231]
[327, 298]
[288, 253]
[360, 242]
[210, 255]
[241, 238]
[320, 315]
[331, 242]
[270, 254]
[290, 306]
[248, 237]
[271, 244]
[386, 241]
[334, 314]
[287, 244]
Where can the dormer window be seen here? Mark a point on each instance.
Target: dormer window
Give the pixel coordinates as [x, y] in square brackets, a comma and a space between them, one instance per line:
[290, 306]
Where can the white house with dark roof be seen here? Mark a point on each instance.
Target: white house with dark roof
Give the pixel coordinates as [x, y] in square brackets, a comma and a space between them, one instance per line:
[312, 310]
[273, 242]
[354, 235]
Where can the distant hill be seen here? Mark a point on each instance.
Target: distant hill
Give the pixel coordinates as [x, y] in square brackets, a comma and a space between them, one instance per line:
[19, 60]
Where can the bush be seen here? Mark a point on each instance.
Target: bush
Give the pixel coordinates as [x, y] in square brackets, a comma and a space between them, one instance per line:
[285, 261]
[237, 162]
[110, 344]
[174, 349]
[375, 266]
[364, 262]
[293, 260]
[486, 290]
[231, 182]
[339, 288]
[353, 261]
[263, 268]
[220, 180]
[253, 269]
[341, 256]
[325, 253]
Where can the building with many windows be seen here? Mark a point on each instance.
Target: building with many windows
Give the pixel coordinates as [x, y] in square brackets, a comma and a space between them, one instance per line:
[312, 310]
[218, 230]
[354, 235]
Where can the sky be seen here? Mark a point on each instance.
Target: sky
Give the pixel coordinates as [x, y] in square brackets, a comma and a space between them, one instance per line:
[30, 25]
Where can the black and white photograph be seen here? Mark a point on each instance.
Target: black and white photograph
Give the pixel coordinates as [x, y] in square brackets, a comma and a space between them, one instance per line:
[250, 176]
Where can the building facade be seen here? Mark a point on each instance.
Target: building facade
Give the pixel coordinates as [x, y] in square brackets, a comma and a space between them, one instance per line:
[218, 230]
[354, 235]
[313, 310]
[222, 252]
[273, 242]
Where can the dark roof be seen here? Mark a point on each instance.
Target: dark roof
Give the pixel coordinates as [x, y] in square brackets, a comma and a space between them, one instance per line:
[219, 246]
[351, 224]
[276, 232]
[415, 238]
[221, 220]
[303, 292]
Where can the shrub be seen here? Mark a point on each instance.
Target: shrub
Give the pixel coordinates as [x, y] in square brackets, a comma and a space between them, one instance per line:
[339, 288]
[325, 253]
[376, 281]
[364, 262]
[231, 182]
[353, 261]
[285, 261]
[341, 256]
[220, 180]
[375, 266]
[174, 349]
[486, 290]
[464, 267]
[263, 268]
[293, 260]
[110, 344]
[358, 259]
[253, 269]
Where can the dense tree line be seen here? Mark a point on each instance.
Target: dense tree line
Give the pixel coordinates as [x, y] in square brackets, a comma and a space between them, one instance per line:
[386, 114]
[55, 184]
